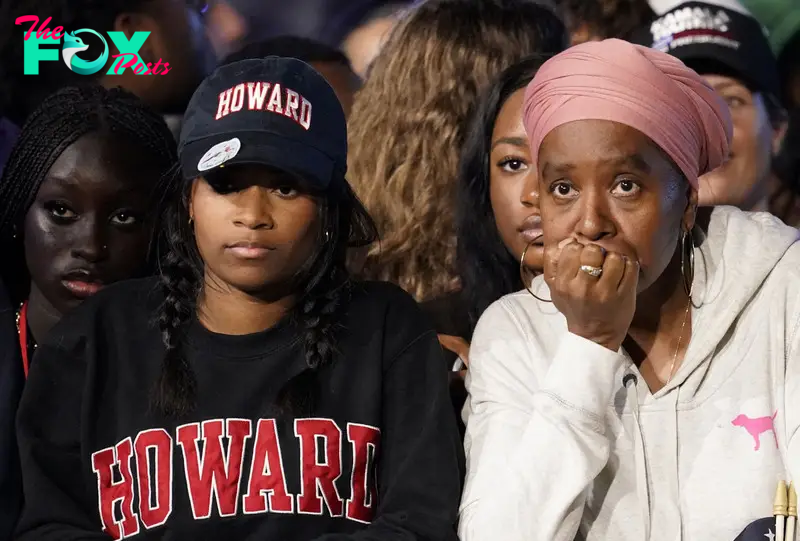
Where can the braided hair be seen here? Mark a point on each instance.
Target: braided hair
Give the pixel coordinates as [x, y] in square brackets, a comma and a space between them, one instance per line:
[62, 119]
[323, 286]
[20, 94]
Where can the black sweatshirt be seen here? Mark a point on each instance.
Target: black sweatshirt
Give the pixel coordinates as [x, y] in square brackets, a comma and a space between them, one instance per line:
[380, 459]
[11, 383]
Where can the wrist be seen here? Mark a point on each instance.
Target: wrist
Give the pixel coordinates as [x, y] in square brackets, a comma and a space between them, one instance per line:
[612, 343]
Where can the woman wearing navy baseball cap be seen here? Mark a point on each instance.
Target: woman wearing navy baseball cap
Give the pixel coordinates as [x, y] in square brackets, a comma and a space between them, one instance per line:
[253, 391]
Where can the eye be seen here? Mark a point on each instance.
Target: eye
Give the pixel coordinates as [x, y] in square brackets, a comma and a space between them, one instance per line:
[512, 165]
[60, 211]
[562, 190]
[286, 192]
[125, 218]
[735, 102]
[626, 188]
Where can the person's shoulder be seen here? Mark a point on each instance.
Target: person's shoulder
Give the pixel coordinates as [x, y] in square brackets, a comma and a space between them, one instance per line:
[384, 305]
[127, 304]
[383, 295]
[521, 317]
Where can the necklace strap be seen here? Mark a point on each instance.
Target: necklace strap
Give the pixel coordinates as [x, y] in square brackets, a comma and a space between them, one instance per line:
[22, 330]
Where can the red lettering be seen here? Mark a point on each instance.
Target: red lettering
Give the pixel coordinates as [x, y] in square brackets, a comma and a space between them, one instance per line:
[140, 69]
[363, 488]
[154, 514]
[166, 68]
[132, 58]
[216, 472]
[43, 30]
[110, 491]
[319, 479]
[266, 474]
[25, 19]
[58, 32]
[156, 67]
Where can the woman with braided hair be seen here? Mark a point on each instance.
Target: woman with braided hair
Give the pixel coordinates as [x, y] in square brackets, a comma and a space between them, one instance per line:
[253, 391]
[77, 214]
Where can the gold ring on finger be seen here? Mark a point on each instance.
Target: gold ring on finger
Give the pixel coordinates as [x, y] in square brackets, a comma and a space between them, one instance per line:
[592, 271]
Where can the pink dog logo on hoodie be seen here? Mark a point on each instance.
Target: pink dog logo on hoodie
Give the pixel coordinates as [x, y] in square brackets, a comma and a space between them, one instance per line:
[756, 427]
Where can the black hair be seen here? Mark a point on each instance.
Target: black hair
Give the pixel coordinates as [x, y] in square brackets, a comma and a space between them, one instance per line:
[58, 122]
[323, 286]
[789, 69]
[606, 18]
[487, 269]
[304, 49]
[786, 167]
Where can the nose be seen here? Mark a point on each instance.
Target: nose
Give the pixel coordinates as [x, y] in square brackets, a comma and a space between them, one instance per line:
[91, 243]
[594, 222]
[254, 209]
[530, 191]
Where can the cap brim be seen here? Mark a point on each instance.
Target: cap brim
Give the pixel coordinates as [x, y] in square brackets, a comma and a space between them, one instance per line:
[262, 149]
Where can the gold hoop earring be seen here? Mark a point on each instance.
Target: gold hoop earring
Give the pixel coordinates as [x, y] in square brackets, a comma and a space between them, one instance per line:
[522, 271]
[688, 277]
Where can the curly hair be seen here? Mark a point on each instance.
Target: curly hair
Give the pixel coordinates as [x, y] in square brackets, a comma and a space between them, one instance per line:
[606, 18]
[409, 122]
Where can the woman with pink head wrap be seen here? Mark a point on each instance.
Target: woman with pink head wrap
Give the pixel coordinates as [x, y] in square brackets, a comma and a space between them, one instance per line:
[646, 386]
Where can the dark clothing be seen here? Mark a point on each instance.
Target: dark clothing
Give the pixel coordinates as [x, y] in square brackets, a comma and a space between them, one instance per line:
[379, 458]
[449, 316]
[11, 383]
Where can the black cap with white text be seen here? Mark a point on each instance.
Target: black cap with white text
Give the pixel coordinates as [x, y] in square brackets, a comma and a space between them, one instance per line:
[714, 38]
[273, 111]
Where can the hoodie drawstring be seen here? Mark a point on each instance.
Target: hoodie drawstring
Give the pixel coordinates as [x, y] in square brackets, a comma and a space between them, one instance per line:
[630, 381]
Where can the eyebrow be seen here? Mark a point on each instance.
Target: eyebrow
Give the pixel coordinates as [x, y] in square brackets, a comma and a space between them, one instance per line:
[725, 85]
[516, 141]
[635, 161]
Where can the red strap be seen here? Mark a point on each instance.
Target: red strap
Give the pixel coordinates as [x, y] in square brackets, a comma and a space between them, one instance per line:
[23, 337]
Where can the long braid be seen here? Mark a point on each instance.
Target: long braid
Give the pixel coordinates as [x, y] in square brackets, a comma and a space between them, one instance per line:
[326, 295]
[58, 122]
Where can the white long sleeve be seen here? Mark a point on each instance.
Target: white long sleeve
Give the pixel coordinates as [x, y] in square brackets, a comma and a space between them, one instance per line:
[536, 432]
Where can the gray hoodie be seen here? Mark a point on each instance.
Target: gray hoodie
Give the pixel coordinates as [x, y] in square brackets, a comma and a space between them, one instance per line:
[560, 443]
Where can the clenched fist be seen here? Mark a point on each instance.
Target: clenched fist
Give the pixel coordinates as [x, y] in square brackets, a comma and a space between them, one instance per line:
[598, 308]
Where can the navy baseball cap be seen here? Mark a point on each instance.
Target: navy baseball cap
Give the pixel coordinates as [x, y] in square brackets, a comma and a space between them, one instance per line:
[713, 35]
[273, 111]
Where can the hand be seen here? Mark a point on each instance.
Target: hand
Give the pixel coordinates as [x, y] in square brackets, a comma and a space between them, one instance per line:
[457, 345]
[601, 308]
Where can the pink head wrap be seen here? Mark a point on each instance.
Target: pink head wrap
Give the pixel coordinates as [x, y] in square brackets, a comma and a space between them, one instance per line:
[645, 89]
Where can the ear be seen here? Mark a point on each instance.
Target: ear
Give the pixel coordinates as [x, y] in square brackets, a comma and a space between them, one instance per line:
[195, 184]
[131, 22]
[690, 213]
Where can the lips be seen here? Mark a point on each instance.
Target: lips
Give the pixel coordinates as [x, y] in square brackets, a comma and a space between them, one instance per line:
[531, 229]
[82, 283]
[249, 249]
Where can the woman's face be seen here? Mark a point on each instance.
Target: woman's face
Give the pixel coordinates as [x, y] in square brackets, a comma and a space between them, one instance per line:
[254, 228]
[89, 224]
[513, 186]
[608, 184]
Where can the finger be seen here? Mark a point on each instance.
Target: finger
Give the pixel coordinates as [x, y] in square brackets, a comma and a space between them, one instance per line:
[593, 256]
[613, 271]
[551, 255]
[630, 279]
[569, 262]
[456, 344]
